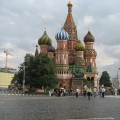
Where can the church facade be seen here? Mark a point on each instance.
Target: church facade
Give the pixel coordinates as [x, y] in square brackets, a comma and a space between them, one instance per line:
[71, 53]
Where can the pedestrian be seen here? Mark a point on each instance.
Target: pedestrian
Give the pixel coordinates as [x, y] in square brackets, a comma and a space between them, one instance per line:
[84, 92]
[103, 92]
[64, 92]
[71, 91]
[100, 92]
[77, 92]
[59, 93]
[89, 92]
[49, 93]
[119, 91]
[94, 90]
[116, 91]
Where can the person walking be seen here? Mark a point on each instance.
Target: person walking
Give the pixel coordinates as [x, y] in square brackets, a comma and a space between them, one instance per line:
[64, 92]
[89, 92]
[103, 91]
[100, 92]
[116, 91]
[84, 92]
[77, 92]
[94, 90]
[49, 93]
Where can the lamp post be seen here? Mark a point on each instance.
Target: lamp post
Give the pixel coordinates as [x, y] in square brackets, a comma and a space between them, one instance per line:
[23, 78]
[117, 73]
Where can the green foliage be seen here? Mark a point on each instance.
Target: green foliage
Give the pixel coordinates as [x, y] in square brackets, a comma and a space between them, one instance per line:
[85, 82]
[14, 79]
[39, 71]
[105, 79]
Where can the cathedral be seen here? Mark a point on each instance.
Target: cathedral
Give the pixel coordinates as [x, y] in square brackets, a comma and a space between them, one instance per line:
[71, 54]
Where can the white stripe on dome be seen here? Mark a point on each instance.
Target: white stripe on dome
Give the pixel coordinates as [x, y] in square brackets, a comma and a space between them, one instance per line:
[62, 35]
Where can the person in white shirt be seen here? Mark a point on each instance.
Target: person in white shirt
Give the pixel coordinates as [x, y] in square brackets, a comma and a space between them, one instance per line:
[64, 92]
[94, 90]
[77, 92]
[116, 91]
[103, 91]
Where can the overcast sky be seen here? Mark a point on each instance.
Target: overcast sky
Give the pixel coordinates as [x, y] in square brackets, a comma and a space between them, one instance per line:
[22, 23]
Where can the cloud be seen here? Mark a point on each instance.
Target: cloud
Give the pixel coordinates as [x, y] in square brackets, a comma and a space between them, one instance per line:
[87, 20]
[23, 23]
[12, 23]
[46, 16]
[107, 59]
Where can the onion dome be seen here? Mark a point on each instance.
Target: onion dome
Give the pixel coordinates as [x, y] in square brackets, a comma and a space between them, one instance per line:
[79, 46]
[89, 37]
[50, 48]
[44, 40]
[70, 3]
[62, 35]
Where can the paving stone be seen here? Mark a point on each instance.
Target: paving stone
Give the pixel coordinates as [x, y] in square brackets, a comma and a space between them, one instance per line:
[21, 107]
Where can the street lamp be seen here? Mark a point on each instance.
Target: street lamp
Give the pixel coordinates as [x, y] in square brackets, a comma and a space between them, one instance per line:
[117, 73]
[23, 78]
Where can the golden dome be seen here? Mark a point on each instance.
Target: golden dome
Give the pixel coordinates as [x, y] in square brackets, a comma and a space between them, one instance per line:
[70, 3]
[79, 46]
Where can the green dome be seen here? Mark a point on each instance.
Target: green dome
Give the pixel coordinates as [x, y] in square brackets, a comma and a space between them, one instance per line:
[79, 46]
[44, 40]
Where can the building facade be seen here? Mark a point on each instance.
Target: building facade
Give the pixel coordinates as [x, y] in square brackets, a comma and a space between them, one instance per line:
[5, 79]
[71, 52]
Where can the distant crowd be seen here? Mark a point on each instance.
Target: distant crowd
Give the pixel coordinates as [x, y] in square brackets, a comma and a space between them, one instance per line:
[87, 91]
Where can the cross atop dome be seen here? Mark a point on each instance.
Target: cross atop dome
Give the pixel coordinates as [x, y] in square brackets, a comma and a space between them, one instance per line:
[70, 3]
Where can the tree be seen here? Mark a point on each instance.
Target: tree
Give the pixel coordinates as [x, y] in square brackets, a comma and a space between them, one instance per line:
[85, 82]
[105, 79]
[39, 71]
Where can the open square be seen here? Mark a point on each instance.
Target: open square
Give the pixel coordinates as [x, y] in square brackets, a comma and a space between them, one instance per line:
[14, 107]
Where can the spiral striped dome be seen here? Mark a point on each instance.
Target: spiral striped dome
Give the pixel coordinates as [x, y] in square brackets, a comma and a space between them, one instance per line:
[62, 35]
[44, 40]
[79, 46]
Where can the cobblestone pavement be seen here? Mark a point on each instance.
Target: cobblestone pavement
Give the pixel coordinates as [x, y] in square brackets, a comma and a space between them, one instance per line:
[14, 107]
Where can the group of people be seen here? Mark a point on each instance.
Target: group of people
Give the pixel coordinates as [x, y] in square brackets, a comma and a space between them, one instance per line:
[89, 92]
[61, 92]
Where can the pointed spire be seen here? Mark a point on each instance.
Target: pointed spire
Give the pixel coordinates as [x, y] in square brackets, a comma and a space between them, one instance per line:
[62, 23]
[45, 29]
[69, 24]
[36, 52]
[88, 29]
[69, 19]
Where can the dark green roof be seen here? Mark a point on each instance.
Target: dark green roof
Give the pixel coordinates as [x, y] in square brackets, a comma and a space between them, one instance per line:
[44, 40]
[90, 68]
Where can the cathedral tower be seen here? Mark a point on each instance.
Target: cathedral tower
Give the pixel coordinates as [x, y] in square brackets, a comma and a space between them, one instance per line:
[90, 59]
[71, 28]
[61, 57]
[79, 60]
[90, 53]
[61, 51]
